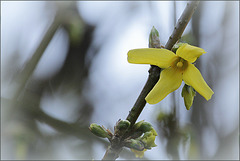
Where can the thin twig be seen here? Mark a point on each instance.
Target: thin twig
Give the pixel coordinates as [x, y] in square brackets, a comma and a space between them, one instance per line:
[181, 24]
[154, 72]
[32, 63]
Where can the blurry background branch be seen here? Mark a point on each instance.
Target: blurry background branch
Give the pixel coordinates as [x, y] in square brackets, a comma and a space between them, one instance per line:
[37, 114]
[72, 76]
[30, 66]
[73, 73]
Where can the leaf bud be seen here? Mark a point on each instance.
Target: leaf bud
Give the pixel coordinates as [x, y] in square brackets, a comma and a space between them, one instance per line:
[136, 134]
[154, 41]
[188, 94]
[145, 127]
[137, 125]
[142, 126]
[98, 130]
[134, 144]
[121, 126]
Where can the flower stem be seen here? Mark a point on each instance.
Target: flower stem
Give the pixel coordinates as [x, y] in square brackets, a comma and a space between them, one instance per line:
[154, 73]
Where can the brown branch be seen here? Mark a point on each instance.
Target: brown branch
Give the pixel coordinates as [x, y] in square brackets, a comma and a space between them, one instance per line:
[33, 110]
[154, 72]
[153, 77]
[181, 24]
[30, 66]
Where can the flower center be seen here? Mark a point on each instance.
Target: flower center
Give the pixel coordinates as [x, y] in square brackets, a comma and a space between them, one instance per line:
[179, 63]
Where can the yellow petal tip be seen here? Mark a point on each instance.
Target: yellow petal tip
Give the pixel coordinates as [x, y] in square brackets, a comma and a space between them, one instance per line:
[210, 96]
[151, 101]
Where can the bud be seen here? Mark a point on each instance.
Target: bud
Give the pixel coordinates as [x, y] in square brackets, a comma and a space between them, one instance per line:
[137, 125]
[98, 130]
[154, 132]
[154, 41]
[134, 144]
[142, 126]
[136, 134]
[188, 94]
[145, 127]
[121, 126]
[148, 140]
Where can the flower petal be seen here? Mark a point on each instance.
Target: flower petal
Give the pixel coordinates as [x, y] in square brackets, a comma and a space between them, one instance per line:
[189, 52]
[153, 56]
[138, 154]
[193, 77]
[170, 80]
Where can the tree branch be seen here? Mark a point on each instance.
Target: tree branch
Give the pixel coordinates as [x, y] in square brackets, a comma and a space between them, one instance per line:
[181, 24]
[38, 114]
[154, 73]
[32, 63]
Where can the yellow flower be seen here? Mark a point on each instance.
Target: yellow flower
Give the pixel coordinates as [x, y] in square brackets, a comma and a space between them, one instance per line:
[138, 154]
[176, 67]
[148, 139]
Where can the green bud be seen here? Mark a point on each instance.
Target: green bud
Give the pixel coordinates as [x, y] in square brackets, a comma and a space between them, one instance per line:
[145, 127]
[154, 41]
[136, 134]
[142, 126]
[188, 94]
[134, 144]
[123, 124]
[98, 130]
[121, 127]
[137, 125]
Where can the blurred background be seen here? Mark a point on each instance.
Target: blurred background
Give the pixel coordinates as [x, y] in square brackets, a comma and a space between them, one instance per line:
[64, 66]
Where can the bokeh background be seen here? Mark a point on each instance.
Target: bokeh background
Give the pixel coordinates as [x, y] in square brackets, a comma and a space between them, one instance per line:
[64, 66]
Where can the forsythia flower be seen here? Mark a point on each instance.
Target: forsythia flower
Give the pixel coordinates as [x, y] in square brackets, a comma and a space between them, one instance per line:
[176, 67]
[148, 139]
